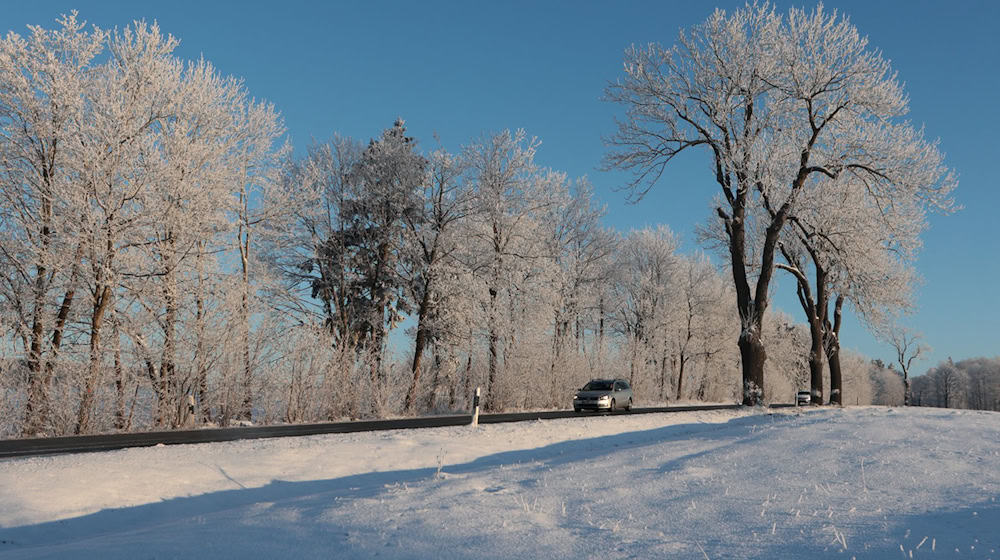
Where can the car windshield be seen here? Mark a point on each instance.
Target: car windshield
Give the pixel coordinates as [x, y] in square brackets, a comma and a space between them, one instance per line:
[598, 386]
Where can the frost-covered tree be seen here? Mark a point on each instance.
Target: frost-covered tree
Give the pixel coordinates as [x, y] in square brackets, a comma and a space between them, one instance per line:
[43, 83]
[777, 101]
[387, 177]
[260, 207]
[703, 318]
[311, 255]
[856, 378]
[921, 393]
[973, 383]
[580, 249]
[346, 254]
[788, 369]
[908, 349]
[671, 313]
[949, 385]
[843, 245]
[887, 384]
[118, 233]
[510, 191]
[984, 383]
[645, 301]
[432, 233]
[131, 98]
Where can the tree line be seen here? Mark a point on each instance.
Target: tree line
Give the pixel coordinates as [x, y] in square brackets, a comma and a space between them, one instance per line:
[972, 384]
[168, 260]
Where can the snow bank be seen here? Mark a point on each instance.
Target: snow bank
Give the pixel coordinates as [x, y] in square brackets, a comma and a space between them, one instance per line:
[843, 483]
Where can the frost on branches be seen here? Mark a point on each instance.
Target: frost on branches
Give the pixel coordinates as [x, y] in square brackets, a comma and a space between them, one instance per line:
[166, 261]
[112, 224]
[784, 105]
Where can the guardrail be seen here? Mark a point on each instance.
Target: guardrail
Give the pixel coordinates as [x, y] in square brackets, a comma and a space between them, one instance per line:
[109, 442]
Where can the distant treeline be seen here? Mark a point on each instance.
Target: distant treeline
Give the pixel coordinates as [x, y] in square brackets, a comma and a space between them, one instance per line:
[972, 384]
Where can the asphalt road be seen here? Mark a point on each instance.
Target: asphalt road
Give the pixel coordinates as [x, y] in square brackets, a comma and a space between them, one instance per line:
[107, 442]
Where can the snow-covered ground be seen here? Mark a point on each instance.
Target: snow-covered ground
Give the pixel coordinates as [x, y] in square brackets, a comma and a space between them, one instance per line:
[831, 483]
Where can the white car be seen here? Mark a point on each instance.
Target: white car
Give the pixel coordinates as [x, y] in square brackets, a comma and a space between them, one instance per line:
[803, 398]
[604, 394]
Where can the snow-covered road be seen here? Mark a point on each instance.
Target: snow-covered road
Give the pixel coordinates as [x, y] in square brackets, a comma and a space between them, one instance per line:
[837, 483]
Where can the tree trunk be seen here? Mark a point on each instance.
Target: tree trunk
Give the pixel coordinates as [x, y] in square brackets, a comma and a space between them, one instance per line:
[752, 355]
[38, 405]
[556, 351]
[101, 298]
[750, 343]
[816, 354]
[201, 367]
[836, 377]
[418, 353]
[750, 306]
[494, 341]
[600, 325]
[120, 382]
[246, 407]
[634, 351]
[418, 347]
[468, 377]
[246, 384]
[833, 354]
[509, 344]
[580, 339]
[166, 403]
[684, 357]
[680, 374]
[436, 381]
[157, 386]
[35, 409]
[816, 323]
[64, 309]
[378, 325]
[663, 370]
[816, 317]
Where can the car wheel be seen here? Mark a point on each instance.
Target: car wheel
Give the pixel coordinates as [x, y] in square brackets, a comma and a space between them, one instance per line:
[612, 409]
[576, 410]
[628, 407]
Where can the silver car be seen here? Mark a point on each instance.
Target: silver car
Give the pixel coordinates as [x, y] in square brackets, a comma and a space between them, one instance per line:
[604, 394]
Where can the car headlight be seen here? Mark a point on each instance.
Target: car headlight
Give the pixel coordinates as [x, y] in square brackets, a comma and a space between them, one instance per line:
[604, 398]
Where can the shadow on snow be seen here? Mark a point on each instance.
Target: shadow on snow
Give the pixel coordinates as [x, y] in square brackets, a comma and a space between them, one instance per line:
[290, 519]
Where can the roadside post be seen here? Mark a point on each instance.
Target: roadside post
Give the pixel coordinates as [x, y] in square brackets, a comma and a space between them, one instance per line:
[475, 409]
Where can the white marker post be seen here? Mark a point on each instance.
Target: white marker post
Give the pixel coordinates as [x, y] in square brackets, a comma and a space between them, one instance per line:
[475, 409]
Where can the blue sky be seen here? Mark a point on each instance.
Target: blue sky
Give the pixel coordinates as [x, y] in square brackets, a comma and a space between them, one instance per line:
[457, 69]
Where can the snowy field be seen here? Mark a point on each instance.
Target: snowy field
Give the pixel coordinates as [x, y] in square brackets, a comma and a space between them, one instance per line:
[831, 483]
